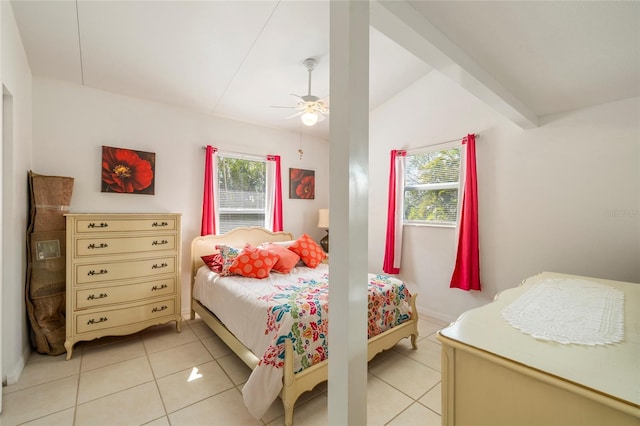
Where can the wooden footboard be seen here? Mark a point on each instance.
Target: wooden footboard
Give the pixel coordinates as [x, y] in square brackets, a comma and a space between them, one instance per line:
[295, 384]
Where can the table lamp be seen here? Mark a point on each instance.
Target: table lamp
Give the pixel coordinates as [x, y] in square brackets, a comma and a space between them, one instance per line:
[323, 222]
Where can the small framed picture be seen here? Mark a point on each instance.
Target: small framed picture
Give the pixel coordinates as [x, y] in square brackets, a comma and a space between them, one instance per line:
[49, 249]
[302, 184]
[127, 171]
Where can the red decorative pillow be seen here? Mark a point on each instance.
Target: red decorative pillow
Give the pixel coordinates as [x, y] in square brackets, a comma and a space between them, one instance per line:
[308, 250]
[213, 261]
[253, 262]
[287, 259]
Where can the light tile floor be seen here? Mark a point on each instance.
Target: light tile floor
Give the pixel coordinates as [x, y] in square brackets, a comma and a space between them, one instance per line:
[160, 377]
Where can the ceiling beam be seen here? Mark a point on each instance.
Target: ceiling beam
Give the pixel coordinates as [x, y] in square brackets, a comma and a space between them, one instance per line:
[403, 24]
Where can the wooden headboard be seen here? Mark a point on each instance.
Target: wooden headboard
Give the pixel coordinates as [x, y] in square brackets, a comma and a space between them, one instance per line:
[254, 235]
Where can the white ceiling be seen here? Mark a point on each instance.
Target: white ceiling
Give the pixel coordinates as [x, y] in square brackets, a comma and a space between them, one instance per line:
[237, 58]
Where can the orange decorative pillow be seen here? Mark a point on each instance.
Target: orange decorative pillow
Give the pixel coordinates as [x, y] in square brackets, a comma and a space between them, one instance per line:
[287, 259]
[308, 250]
[214, 262]
[253, 262]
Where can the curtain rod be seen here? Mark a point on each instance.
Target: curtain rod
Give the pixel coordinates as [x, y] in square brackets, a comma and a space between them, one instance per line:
[240, 154]
[439, 143]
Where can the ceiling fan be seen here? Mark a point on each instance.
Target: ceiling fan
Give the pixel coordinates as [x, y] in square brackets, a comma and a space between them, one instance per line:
[311, 109]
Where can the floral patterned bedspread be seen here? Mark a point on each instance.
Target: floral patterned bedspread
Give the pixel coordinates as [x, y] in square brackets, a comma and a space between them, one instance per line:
[299, 312]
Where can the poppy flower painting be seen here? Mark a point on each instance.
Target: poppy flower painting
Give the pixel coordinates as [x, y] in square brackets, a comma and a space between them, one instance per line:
[302, 184]
[127, 171]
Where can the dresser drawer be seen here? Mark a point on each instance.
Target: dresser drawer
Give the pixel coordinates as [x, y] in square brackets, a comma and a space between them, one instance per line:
[97, 246]
[100, 272]
[93, 297]
[85, 226]
[102, 320]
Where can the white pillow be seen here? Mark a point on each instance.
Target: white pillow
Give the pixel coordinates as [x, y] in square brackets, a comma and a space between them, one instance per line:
[285, 244]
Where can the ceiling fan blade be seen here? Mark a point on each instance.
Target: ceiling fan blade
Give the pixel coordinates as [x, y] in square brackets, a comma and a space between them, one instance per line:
[294, 115]
[279, 106]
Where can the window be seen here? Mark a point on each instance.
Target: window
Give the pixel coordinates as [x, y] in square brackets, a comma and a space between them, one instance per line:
[432, 180]
[241, 192]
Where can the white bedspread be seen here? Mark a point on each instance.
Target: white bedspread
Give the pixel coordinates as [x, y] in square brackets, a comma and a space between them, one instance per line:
[230, 297]
[259, 313]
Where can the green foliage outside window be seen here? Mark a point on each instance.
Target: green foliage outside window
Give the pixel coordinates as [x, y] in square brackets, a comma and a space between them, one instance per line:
[431, 187]
[241, 192]
[237, 174]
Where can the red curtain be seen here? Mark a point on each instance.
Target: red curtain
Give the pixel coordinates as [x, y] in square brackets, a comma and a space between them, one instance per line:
[393, 243]
[466, 274]
[208, 214]
[277, 225]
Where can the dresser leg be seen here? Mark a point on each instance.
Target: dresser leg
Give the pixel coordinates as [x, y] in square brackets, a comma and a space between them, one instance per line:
[69, 347]
[179, 325]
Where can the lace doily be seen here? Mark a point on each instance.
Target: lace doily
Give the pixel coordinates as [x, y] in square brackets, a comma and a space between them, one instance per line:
[569, 311]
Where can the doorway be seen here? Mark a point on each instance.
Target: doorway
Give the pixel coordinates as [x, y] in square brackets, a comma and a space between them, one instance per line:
[6, 122]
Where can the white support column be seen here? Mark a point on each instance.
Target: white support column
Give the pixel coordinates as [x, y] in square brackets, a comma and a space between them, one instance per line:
[2, 283]
[348, 201]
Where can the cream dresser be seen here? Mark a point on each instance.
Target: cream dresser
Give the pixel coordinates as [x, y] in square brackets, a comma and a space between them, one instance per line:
[494, 374]
[123, 274]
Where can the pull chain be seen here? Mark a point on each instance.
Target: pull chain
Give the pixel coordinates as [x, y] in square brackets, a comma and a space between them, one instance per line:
[300, 152]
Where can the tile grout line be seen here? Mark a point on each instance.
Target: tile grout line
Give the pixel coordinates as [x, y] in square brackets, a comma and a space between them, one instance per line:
[75, 405]
[199, 339]
[155, 380]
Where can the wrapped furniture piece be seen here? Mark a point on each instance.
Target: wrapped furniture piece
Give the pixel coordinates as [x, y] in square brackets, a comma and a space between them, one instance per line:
[50, 197]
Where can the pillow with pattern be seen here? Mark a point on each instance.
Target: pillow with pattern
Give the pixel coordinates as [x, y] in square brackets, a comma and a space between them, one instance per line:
[228, 254]
[253, 262]
[287, 259]
[213, 261]
[309, 251]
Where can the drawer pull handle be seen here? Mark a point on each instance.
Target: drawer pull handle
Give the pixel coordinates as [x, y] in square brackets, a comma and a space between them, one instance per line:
[162, 265]
[156, 224]
[159, 243]
[100, 225]
[98, 246]
[100, 296]
[100, 272]
[156, 288]
[94, 321]
[162, 308]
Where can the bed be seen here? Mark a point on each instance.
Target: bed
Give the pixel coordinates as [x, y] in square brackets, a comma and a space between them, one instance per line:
[294, 375]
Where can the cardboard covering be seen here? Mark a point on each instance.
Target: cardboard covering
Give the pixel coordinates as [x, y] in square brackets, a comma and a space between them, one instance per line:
[50, 197]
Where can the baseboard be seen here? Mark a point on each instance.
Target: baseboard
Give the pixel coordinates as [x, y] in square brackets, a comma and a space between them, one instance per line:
[440, 316]
[14, 373]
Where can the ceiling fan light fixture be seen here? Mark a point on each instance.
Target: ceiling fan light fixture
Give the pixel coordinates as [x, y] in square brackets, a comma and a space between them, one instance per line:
[311, 108]
[309, 118]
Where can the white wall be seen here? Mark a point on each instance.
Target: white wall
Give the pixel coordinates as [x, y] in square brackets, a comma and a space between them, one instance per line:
[16, 151]
[562, 197]
[71, 123]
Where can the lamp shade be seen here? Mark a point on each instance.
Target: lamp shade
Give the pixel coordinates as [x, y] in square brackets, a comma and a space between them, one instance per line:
[323, 218]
